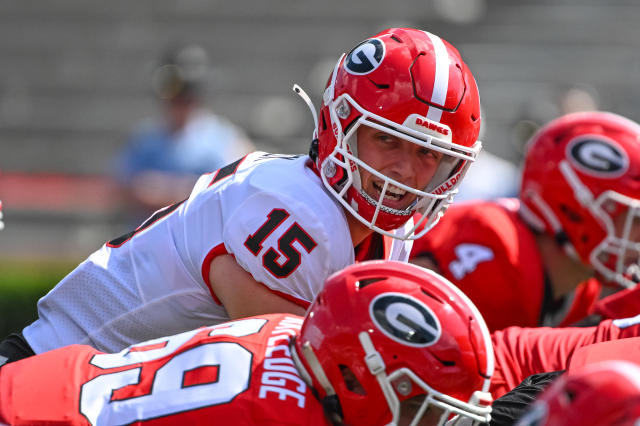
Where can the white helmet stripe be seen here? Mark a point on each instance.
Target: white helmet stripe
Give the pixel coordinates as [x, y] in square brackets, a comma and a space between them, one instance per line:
[441, 83]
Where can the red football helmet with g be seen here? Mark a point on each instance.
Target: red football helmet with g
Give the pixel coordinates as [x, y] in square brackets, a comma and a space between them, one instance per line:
[607, 393]
[581, 184]
[412, 85]
[386, 340]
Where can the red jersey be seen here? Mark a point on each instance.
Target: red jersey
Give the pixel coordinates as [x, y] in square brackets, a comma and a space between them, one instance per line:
[486, 250]
[240, 372]
[521, 352]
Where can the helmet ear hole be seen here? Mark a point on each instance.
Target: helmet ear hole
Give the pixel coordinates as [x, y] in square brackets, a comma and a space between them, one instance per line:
[323, 121]
[571, 214]
[351, 381]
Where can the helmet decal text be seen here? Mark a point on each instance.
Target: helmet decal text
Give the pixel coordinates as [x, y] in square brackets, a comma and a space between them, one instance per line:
[598, 156]
[365, 57]
[405, 319]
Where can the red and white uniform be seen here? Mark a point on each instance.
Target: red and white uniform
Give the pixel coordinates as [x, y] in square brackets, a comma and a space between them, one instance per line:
[521, 352]
[486, 250]
[269, 211]
[237, 373]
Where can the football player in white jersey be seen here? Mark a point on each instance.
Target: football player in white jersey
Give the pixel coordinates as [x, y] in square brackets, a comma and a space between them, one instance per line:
[396, 132]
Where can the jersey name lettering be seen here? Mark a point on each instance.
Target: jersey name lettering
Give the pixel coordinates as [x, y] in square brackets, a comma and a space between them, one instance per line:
[279, 369]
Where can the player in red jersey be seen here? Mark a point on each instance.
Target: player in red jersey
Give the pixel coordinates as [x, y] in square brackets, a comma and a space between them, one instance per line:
[578, 217]
[522, 352]
[396, 131]
[591, 400]
[383, 343]
[600, 386]
[383, 340]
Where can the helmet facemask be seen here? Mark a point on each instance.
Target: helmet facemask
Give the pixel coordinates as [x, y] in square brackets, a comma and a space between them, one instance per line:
[345, 163]
[404, 383]
[617, 257]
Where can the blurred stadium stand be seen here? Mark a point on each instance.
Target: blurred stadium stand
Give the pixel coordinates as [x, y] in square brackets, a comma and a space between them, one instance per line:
[75, 79]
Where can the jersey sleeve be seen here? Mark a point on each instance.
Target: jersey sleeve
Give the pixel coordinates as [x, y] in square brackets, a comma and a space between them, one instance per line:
[287, 245]
[521, 352]
[53, 379]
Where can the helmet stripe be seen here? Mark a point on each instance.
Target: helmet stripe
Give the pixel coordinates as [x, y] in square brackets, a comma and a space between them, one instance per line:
[441, 83]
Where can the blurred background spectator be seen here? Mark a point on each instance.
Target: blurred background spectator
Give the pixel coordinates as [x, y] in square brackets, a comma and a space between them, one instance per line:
[75, 79]
[165, 155]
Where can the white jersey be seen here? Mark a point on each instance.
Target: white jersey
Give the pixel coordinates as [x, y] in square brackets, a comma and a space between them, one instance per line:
[269, 211]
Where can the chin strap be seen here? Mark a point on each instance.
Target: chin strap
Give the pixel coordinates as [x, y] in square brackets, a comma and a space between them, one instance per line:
[316, 369]
[330, 403]
[376, 367]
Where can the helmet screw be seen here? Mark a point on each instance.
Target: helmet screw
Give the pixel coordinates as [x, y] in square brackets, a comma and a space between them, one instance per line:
[343, 110]
[329, 169]
[404, 387]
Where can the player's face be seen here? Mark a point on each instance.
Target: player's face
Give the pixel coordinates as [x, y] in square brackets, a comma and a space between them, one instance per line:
[410, 407]
[622, 254]
[629, 224]
[401, 160]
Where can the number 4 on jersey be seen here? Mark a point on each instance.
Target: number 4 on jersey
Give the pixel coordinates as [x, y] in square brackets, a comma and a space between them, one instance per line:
[285, 244]
[468, 258]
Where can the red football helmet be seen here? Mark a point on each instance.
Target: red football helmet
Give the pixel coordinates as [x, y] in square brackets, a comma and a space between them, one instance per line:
[383, 332]
[607, 393]
[581, 183]
[412, 85]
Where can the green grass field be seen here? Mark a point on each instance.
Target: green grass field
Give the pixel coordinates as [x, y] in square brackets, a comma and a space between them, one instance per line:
[22, 283]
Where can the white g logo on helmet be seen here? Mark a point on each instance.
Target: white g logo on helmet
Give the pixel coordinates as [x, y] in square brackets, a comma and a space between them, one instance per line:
[365, 57]
[405, 319]
[597, 156]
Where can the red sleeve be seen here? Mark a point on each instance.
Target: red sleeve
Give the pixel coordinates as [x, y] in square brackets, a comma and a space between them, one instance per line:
[52, 379]
[521, 352]
[486, 250]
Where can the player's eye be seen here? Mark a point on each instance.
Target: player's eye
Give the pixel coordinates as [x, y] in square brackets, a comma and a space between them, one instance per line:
[430, 153]
[387, 139]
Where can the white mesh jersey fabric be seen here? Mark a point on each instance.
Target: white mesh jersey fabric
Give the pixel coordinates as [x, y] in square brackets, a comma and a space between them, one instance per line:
[152, 285]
